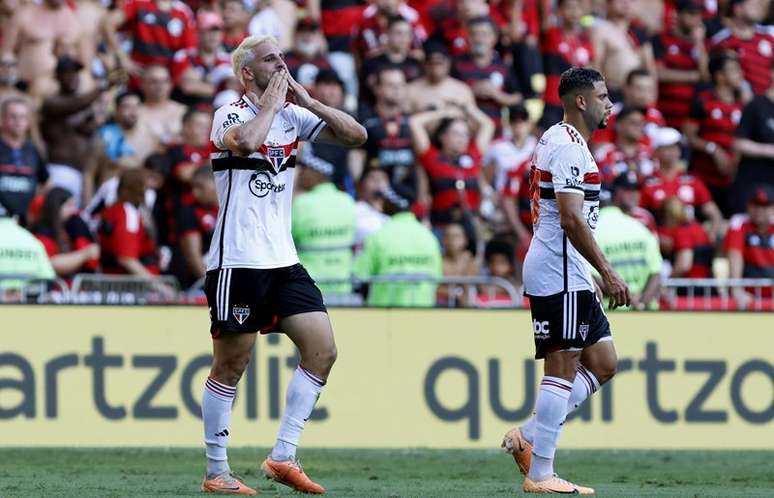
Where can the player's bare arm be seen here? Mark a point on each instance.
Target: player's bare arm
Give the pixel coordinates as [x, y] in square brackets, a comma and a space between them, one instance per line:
[246, 138]
[341, 128]
[575, 226]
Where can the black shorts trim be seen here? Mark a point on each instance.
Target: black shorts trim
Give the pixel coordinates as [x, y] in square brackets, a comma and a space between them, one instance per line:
[567, 321]
[246, 300]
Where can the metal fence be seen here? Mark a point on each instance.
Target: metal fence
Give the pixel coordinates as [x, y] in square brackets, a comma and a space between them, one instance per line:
[452, 292]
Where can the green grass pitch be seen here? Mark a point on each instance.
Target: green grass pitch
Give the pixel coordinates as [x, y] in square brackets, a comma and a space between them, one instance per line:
[386, 473]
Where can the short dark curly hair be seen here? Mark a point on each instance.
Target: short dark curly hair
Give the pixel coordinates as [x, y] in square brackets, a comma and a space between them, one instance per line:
[578, 79]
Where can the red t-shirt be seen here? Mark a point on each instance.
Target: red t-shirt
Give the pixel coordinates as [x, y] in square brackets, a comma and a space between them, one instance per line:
[692, 236]
[370, 32]
[78, 236]
[453, 184]
[517, 187]
[561, 52]
[757, 248]
[756, 54]
[674, 99]
[122, 234]
[689, 189]
[612, 162]
[157, 34]
[653, 119]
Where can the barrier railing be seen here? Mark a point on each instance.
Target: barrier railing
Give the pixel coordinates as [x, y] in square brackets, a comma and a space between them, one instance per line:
[754, 294]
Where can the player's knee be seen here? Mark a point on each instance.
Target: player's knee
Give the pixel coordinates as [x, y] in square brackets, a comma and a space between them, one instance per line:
[606, 371]
[321, 362]
[229, 370]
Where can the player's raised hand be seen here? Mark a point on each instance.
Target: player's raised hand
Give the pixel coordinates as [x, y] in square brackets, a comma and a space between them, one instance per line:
[300, 95]
[274, 95]
[617, 290]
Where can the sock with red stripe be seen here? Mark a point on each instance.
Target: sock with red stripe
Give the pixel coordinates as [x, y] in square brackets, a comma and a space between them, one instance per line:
[584, 386]
[550, 412]
[216, 414]
[303, 391]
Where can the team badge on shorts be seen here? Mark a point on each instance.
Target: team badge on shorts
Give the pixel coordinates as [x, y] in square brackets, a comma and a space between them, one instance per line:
[241, 312]
[583, 330]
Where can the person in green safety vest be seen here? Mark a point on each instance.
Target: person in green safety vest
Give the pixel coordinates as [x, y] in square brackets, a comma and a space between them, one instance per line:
[22, 256]
[403, 247]
[629, 246]
[323, 227]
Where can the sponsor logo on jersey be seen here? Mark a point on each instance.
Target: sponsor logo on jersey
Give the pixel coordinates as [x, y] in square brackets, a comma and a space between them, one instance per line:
[261, 184]
[232, 118]
[240, 312]
[540, 328]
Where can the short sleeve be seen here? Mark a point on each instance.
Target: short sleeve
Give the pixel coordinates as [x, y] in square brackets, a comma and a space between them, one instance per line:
[225, 118]
[734, 240]
[683, 238]
[567, 167]
[309, 124]
[702, 193]
[126, 238]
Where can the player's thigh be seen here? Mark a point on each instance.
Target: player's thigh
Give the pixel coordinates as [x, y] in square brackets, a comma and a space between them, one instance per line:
[562, 364]
[312, 333]
[601, 360]
[231, 353]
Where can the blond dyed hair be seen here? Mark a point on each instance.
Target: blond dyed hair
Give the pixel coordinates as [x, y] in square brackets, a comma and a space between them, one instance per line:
[244, 53]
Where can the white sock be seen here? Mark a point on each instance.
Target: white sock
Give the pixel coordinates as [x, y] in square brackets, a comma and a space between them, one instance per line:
[216, 413]
[584, 386]
[550, 412]
[303, 391]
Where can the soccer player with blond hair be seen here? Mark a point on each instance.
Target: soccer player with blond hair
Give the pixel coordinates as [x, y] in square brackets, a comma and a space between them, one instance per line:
[254, 279]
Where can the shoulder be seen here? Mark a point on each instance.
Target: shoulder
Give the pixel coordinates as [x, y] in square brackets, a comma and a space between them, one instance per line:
[721, 36]
[182, 8]
[738, 222]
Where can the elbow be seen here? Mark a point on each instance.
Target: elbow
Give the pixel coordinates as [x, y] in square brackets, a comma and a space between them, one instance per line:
[358, 136]
[241, 146]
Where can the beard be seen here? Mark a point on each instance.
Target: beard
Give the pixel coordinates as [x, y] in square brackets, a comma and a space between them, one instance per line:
[602, 124]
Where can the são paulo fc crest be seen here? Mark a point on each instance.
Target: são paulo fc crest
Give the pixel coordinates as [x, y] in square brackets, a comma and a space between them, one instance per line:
[241, 312]
[275, 155]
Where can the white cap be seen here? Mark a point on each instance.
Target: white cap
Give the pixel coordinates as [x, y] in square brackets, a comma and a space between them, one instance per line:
[664, 137]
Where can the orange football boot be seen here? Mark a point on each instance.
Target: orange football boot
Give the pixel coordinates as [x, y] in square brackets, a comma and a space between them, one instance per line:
[226, 484]
[515, 444]
[555, 485]
[290, 474]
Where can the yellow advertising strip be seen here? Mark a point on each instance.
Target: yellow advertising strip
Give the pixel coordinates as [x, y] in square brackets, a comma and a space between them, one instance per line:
[133, 376]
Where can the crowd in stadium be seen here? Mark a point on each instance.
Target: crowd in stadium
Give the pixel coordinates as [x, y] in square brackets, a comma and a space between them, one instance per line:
[106, 108]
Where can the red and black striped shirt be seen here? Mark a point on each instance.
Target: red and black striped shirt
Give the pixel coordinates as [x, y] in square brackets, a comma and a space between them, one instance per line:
[453, 183]
[338, 20]
[674, 99]
[157, 34]
[561, 52]
[717, 121]
[756, 247]
[756, 54]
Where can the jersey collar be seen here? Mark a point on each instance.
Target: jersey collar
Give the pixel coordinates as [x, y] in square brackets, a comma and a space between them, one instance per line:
[250, 104]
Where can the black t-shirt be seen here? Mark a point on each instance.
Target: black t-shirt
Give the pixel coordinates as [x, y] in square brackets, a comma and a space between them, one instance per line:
[757, 124]
[21, 171]
[389, 147]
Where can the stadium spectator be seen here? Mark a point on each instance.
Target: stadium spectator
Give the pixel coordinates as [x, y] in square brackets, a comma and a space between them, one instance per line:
[627, 197]
[483, 70]
[396, 53]
[267, 21]
[685, 241]
[158, 30]
[324, 227]
[436, 89]
[93, 21]
[403, 247]
[69, 128]
[125, 244]
[22, 256]
[306, 59]
[162, 116]
[755, 142]
[369, 209]
[452, 29]
[195, 225]
[681, 61]
[562, 46]
[198, 72]
[235, 19]
[458, 261]
[329, 89]
[628, 153]
[509, 154]
[123, 144]
[499, 262]
[70, 246]
[32, 35]
[752, 42]
[452, 160]
[620, 46]
[370, 33]
[388, 146]
[9, 77]
[337, 18]
[630, 247]
[714, 115]
[22, 170]
[640, 93]
[672, 180]
[749, 242]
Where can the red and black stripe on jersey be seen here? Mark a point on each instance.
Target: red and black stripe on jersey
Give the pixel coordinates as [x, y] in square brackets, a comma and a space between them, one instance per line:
[591, 194]
[674, 99]
[338, 19]
[157, 34]
[453, 183]
[717, 121]
[498, 72]
[389, 148]
[757, 247]
[561, 52]
[756, 54]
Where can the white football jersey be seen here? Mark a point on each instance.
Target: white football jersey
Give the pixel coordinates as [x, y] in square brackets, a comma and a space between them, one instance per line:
[255, 192]
[562, 162]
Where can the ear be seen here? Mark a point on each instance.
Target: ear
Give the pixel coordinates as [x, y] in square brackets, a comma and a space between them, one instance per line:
[580, 101]
[247, 74]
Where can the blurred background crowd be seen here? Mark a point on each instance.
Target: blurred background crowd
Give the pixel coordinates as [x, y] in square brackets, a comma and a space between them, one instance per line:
[106, 107]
